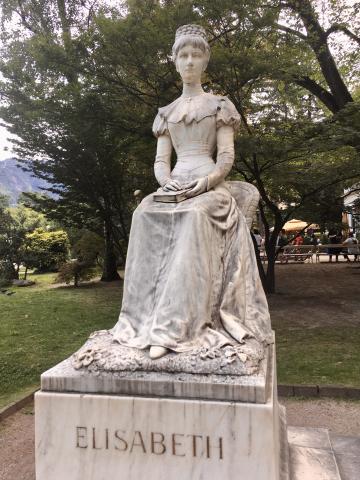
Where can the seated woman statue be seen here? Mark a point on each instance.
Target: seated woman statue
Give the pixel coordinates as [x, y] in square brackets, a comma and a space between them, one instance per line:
[191, 277]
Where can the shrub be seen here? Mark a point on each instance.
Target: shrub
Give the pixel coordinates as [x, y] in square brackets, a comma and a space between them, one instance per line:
[4, 282]
[75, 271]
[45, 251]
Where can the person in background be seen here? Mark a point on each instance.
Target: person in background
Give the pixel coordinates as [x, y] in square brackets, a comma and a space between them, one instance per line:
[282, 239]
[351, 247]
[335, 238]
[314, 240]
[298, 240]
[307, 237]
[257, 237]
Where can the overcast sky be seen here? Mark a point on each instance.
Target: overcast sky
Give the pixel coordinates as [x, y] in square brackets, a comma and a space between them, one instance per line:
[5, 146]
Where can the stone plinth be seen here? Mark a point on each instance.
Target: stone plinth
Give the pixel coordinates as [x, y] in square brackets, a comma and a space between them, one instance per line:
[81, 436]
[253, 388]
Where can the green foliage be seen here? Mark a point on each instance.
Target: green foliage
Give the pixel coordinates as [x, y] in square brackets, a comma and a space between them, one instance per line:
[45, 251]
[89, 248]
[15, 224]
[82, 86]
[87, 162]
[76, 271]
[6, 242]
[4, 278]
[4, 202]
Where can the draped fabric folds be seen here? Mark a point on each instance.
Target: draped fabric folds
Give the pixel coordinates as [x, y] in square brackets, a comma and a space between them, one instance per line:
[191, 276]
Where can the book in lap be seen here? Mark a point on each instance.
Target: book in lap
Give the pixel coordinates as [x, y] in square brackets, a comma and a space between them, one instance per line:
[170, 197]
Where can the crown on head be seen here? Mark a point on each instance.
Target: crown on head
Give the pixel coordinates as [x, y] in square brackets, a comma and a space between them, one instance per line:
[191, 29]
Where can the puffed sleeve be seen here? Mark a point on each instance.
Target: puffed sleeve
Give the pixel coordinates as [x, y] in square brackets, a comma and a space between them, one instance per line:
[227, 114]
[160, 126]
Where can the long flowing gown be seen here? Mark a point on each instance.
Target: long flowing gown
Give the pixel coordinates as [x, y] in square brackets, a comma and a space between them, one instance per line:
[191, 277]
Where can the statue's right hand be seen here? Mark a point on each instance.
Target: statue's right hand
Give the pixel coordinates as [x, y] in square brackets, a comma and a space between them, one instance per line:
[172, 186]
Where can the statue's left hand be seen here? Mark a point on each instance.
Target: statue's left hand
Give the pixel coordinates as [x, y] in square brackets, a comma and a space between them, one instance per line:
[197, 187]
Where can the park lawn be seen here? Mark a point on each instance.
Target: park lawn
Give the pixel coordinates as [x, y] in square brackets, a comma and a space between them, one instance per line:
[318, 356]
[41, 325]
[315, 315]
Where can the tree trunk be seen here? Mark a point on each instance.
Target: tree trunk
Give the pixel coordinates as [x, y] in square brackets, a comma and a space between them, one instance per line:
[259, 263]
[67, 40]
[110, 272]
[11, 272]
[270, 272]
[317, 39]
[270, 238]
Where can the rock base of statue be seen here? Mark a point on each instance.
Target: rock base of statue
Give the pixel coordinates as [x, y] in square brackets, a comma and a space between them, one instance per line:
[93, 426]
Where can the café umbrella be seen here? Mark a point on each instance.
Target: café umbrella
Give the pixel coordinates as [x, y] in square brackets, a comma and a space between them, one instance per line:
[298, 225]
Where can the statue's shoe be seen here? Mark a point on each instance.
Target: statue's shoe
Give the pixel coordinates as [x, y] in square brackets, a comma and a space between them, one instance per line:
[157, 352]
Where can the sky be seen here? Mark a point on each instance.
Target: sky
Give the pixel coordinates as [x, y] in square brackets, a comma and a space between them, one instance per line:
[5, 145]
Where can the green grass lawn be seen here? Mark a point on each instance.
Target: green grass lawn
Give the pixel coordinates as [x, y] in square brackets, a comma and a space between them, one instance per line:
[42, 325]
[318, 356]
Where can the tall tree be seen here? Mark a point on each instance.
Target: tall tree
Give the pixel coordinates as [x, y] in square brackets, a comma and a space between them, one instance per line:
[115, 70]
[289, 146]
[316, 37]
[67, 124]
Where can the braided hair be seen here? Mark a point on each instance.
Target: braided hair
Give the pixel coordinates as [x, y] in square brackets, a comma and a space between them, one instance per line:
[191, 34]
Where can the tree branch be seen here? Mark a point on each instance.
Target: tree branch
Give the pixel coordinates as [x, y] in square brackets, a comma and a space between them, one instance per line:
[283, 28]
[323, 187]
[337, 27]
[24, 21]
[320, 92]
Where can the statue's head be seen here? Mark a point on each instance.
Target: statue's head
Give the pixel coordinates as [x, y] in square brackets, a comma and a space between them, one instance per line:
[190, 52]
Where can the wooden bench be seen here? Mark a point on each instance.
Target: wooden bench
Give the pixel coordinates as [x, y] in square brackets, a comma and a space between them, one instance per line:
[288, 253]
[296, 253]
[302, 253]
[323, 250]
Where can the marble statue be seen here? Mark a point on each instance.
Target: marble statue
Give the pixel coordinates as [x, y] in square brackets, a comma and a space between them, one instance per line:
[186, 380]
[191, 277]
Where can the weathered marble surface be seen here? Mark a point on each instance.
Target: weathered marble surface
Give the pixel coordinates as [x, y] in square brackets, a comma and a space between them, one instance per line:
[209, 411]
[102, 353]
[311, 455]
[191, 276]
[215, 386]
[318, 455]
[103, 437]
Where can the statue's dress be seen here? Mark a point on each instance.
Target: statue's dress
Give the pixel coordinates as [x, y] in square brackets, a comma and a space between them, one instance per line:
[191, 276]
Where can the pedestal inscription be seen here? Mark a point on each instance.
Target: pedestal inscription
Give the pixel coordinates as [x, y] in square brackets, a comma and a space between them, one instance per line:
[157, 443]
[101, 437]
[123, 437]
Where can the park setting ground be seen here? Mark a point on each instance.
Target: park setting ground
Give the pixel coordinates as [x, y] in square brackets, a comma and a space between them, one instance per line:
[314, 314]
[173, 137]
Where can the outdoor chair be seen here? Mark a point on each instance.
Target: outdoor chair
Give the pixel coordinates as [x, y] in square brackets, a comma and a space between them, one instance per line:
[247, 198]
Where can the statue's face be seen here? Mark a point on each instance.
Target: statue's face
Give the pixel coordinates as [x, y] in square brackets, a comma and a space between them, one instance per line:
[190, 62]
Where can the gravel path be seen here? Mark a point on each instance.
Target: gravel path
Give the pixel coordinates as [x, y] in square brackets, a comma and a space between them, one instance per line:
[17, 432]
[339, 416]
[17, 446]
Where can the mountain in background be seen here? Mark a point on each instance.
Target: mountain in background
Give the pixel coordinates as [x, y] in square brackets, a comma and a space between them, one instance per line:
[14, 181]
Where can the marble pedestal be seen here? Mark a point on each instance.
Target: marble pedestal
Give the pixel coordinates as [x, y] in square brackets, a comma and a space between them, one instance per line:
[124, 436]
